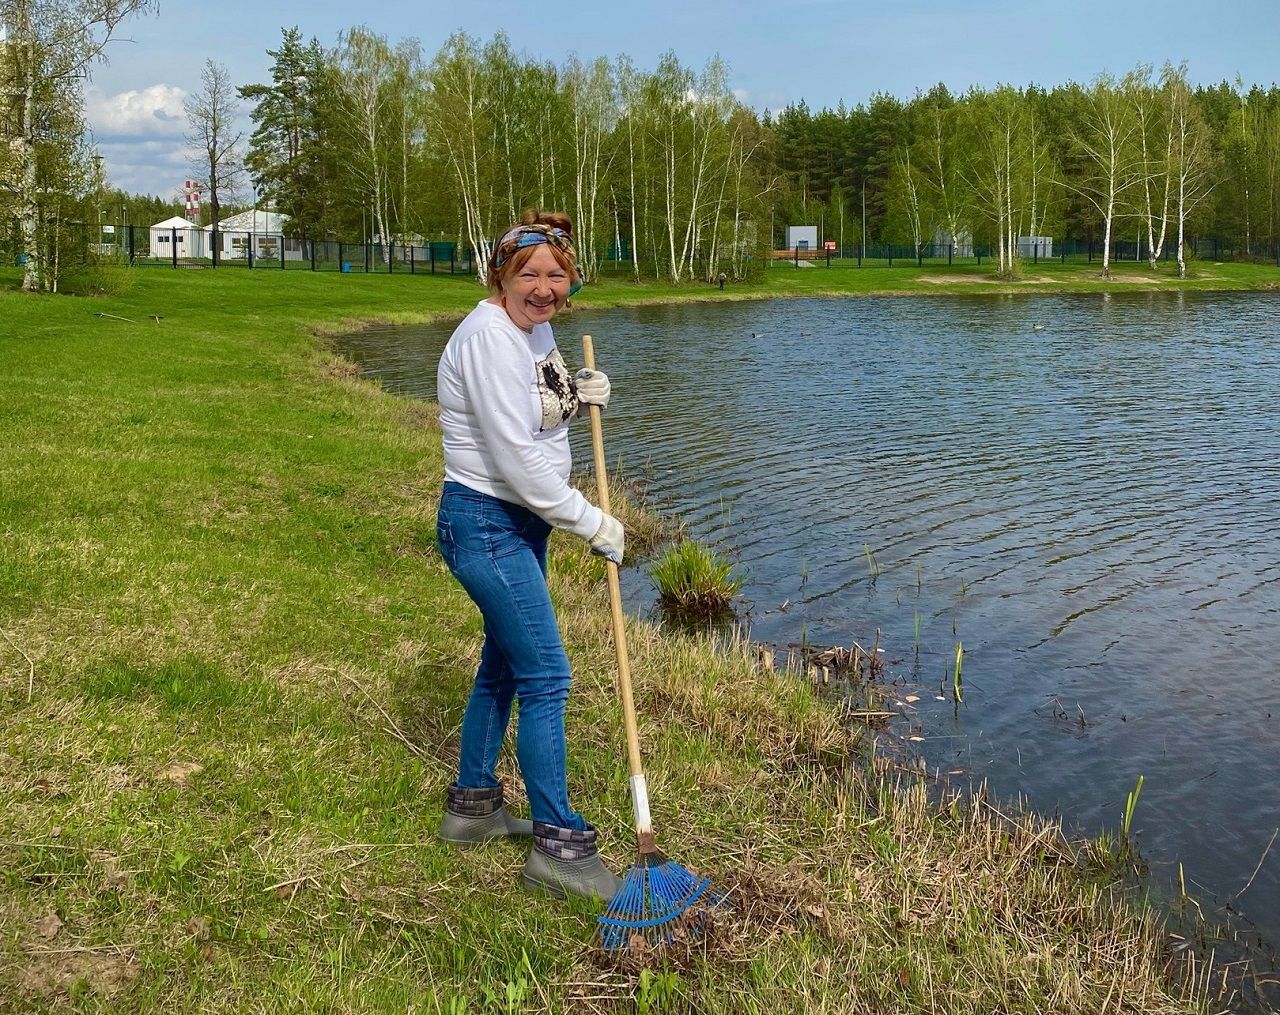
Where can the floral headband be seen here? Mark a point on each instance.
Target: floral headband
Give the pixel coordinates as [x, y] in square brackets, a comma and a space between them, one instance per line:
[528, 236]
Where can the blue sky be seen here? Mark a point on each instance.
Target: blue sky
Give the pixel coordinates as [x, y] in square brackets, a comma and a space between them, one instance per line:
[821, 51]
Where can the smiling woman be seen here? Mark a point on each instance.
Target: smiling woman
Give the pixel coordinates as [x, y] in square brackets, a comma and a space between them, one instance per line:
[506, 399]
[534, 271]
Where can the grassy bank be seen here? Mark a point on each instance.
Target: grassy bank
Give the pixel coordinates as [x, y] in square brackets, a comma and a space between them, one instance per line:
[231, 675]
[783, 279]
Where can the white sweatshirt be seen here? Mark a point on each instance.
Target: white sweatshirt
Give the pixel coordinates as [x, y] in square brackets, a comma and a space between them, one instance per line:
[506, 399]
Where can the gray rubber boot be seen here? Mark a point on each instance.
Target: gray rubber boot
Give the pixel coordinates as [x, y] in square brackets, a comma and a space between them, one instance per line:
[565, 862]
[476, 816]
[462, 830]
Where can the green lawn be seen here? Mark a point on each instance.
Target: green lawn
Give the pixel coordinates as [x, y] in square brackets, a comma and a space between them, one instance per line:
[232, 667]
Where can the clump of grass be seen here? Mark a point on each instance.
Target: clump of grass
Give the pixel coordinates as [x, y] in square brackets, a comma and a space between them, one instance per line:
[694, 581]
[1130, 805]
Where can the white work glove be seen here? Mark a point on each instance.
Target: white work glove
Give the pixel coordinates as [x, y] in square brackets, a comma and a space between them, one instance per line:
[592, 387]
[608, 540]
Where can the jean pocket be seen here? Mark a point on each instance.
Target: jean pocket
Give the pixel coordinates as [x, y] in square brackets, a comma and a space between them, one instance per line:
[475, 529]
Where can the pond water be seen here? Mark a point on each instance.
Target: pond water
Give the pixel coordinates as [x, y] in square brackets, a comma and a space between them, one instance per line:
[1083, 490]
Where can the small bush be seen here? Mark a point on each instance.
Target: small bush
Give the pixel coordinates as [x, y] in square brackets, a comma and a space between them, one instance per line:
[98, 274]
[693, 580]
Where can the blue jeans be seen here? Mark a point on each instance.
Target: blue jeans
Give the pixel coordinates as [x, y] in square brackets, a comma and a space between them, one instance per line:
[498, 551]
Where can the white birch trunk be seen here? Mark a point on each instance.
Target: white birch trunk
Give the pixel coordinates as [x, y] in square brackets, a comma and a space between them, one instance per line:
[635, 244]
[28, 207]
[1182, 217]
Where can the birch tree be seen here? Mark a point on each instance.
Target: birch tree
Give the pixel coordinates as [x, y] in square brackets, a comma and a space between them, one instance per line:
[993, 135]
[460, 119]
[52, 47]
[713, 108]
[590, 94]
[666, 95]
[940, 172]
[1107, 139]
[1035, 170]
[213, 142]
[1268, 137]
[371, 78]
[407, 84]
[689, 132]
[1190, 154]
[1244, 162]
[1155, 138]
[502, 72]
[630, 92]
[906, 209]
[750, 194]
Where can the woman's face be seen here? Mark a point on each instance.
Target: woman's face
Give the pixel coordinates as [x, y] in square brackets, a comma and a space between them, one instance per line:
[533, 294]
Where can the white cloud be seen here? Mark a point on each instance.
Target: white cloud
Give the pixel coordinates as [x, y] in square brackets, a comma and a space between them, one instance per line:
[146, 166]
[154, 111]
[741, 94]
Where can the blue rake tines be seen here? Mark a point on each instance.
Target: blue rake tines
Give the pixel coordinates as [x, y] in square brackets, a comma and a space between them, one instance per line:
[656, 901]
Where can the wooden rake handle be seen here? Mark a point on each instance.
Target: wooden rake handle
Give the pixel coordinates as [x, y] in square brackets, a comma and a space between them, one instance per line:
[639, 791]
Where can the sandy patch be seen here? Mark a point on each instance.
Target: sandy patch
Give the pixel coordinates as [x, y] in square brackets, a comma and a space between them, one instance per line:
[180, 773]
[105, 975]
[988, 279]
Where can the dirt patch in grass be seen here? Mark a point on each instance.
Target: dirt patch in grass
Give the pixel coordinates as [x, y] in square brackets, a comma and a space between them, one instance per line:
[50, 974]
[992, 279]
[180, 773]
[953, 279]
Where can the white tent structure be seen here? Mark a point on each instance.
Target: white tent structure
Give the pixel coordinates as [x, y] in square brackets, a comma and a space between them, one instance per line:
[178, 234]
[265, 230]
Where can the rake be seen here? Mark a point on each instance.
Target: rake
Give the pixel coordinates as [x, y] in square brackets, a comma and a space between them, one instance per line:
[659, 900]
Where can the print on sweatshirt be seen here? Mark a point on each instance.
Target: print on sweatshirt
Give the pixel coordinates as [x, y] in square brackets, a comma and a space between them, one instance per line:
[556, 390]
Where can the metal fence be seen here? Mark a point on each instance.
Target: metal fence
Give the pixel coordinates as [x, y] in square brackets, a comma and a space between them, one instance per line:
[1062, 251]
[193, 247]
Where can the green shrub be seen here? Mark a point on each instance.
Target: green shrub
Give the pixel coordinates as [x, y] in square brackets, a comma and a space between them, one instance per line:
[693, 580]
[99, 274]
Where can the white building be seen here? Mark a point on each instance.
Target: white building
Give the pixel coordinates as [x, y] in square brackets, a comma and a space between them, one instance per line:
[1035, 247]
[268, 230]
[177, 233]
[804, 237]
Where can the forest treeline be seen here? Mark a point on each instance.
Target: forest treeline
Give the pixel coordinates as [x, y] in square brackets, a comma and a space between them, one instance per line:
[667, 169]
[670, 176]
